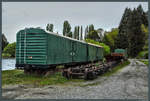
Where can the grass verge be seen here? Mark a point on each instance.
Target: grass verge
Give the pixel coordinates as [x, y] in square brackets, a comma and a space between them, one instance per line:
[18, 77]
[145, 62]
[12, 77]
[117, 68]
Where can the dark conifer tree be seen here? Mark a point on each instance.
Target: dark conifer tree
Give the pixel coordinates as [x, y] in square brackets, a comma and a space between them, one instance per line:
[135, 34]
[122, 37]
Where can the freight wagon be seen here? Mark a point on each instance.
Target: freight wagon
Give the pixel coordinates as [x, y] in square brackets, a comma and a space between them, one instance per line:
[38, 49]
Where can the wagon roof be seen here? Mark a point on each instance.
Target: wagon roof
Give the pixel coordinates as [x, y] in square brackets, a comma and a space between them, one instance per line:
[73, 39]
[42, 30]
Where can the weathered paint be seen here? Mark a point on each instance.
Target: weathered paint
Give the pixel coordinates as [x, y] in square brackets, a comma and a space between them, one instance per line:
[36, 46]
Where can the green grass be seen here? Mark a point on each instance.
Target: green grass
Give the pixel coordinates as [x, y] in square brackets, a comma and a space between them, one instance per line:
[117, 68]
[145, 62]
[18, 77]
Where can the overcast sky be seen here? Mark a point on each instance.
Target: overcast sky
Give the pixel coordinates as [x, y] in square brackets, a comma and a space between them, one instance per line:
[105, 15]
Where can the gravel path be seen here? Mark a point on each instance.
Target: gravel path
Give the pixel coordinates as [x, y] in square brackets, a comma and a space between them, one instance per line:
[130, 82]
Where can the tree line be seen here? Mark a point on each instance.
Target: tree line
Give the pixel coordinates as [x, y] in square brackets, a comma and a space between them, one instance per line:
[78, 32]
[130, 35]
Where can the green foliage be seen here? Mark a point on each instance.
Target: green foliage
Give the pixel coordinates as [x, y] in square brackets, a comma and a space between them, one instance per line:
[67, 29]
[145, 30]
[91, 28]
[76, 32]
[93, 35]
[145, 62]
[6, 55]
[110, 37]
[49, 27]
[18, 77]
[131, 34]
[135, 34]
[143, 55]
[4, 41]
[122, 37]
[106, 47]
[81, 38]
[86, 32]
[10, 49]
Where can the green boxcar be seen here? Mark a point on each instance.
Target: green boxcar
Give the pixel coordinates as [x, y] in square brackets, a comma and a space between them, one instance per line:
[95, 52]
[122, 51]
[36, 47]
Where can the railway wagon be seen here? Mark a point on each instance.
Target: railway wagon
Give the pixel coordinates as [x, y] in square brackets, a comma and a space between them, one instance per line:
[36, 48]
[122, 53]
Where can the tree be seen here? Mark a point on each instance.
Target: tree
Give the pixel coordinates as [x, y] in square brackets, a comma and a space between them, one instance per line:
[4, 42]
[145, 30]
[86, 32]
[81, 34]
[91, 27]
[49, 27]
[110, 37]
[93, 35]
[75, 32]
[100, 32]
[10, 49]
[67, 29]
[143, 16]
[130, 34]
[78, 32]
[122, 37]
[136, 35]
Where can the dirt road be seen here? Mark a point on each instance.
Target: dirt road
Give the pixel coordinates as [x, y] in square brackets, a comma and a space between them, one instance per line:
[130, 82]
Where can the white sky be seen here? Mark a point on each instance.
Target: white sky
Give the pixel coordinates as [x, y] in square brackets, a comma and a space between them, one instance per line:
[105, 15]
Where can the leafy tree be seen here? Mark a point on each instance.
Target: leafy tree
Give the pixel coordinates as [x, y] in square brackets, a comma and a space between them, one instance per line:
[10, 49]
[4, 42]
[49, 27]
[91, 28]
[145, 30]
[76, 32]
[93, 35]
[110, 37]
[81, 33]
[100, 34]
[86, 32]
[67, 29]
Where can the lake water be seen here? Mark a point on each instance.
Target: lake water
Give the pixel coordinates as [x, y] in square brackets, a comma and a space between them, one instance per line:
[8, 64]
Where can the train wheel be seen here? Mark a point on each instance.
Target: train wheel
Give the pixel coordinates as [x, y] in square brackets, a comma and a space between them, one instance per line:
[86, 76]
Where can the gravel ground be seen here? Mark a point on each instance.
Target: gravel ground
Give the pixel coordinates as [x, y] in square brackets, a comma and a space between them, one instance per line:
[130, 82]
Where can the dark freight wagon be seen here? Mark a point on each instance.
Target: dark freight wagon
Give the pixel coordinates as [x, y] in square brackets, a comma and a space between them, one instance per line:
[36, 48]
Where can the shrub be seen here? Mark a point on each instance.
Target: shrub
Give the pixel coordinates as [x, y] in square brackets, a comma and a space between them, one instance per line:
[6, 55]
[10, 49]
[143, 55]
